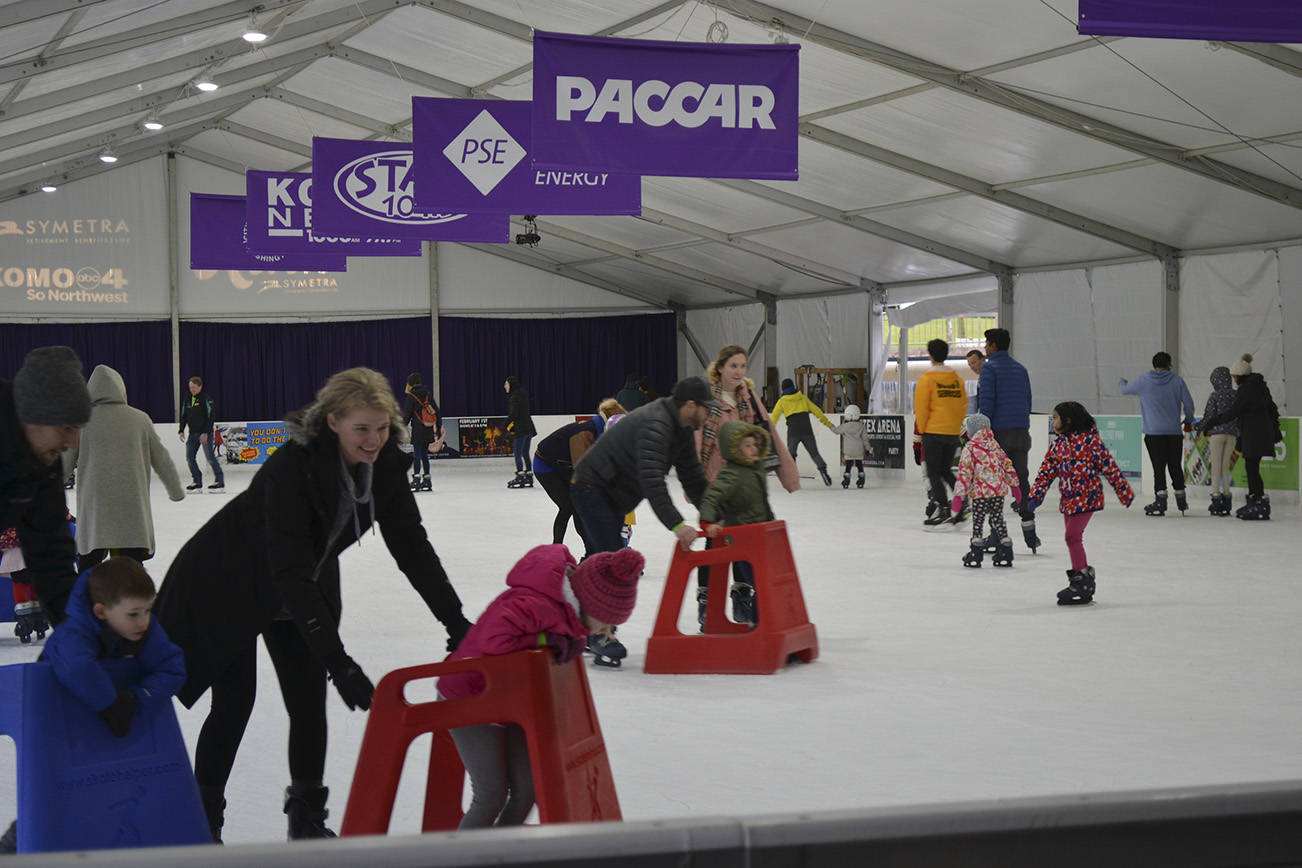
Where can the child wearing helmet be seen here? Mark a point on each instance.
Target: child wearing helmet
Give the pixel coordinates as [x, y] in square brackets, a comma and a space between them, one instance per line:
[854, 443]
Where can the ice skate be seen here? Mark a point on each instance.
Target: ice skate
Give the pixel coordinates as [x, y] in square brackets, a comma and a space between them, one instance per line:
[194, 486]
[528, 479]
[305, 807]
[1003, 553]
[845, 480]
[743, 603]
[1214, 508]
[859, 483]
[1158, 506]
[974, 557]
[414, 485]
[827, 480]
[71, 482]
[702, 595]
[518, 482]
[217, 487]
[1256, 509]
[932, 506]
[1028, 534]
[991, 543]
[1181, 501]
[28, 620]
[424, 484]
[606, 650]
[1080, 588]
[962, 514]
[941, 517]
[1227, 502]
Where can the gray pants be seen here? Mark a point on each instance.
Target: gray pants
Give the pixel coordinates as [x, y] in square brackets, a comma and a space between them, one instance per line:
[496, 757]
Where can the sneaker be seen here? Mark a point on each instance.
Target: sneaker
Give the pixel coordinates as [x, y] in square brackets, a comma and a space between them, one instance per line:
[194, 486]
[217, 486]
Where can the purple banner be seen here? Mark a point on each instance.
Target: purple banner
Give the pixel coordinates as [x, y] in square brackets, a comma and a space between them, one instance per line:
[217, 232]
[280, 221]
[473, 155]
[365, 188]
[1231, 20]
[665, 108]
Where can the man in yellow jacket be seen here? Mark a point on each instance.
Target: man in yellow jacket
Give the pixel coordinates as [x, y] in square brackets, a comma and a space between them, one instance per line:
[797, 407]
[939, 403]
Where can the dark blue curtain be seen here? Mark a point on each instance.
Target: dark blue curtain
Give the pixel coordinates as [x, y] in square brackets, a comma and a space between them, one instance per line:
[567, 365]
[140, 351]
[263, 370]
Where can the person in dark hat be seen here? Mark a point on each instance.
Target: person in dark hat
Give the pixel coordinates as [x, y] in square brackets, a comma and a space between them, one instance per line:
[42, 412]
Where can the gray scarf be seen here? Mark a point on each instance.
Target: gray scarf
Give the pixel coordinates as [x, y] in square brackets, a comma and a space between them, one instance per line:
[352, 493]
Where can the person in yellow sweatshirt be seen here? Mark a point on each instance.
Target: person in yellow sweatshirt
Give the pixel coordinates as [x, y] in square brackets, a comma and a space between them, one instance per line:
[797, 407]
[940, 403]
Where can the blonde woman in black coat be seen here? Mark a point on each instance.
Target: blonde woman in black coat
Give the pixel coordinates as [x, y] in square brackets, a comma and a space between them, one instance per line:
[267, 565]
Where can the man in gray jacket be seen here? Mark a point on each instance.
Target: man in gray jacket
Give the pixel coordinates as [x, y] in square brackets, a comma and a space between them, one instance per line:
[118, 447]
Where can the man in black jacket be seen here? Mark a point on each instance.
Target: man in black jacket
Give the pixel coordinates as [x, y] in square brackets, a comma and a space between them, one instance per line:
[42, 413]
[197, 411]
[629, 462]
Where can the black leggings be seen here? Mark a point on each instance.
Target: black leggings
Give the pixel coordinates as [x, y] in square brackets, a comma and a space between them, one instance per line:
[557, 485]
[1252, 469]
[1166, 452]
[938, 451]
[303, 686]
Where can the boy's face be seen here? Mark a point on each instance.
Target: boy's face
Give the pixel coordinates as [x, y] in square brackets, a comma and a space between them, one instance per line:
[128, 617]
[195, 388]
[749, 448]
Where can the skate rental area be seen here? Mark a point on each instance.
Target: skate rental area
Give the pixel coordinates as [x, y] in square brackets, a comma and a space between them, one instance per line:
[512, 212]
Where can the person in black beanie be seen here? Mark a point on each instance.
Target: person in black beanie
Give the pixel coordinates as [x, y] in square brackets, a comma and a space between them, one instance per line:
[520, 428]
[42, 413]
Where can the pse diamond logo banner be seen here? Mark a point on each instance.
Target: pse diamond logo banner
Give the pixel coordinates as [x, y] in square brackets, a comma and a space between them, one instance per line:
[665, 108]
[472, 155]
[365, 188]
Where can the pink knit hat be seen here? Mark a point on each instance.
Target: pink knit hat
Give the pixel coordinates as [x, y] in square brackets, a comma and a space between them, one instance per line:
[606, 584]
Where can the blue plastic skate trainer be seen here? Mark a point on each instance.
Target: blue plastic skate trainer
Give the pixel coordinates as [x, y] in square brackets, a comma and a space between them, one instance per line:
[82, 788]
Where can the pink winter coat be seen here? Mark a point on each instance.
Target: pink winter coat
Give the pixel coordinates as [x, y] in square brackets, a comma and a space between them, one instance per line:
[754, 413]
[983, 468]
[537, 600]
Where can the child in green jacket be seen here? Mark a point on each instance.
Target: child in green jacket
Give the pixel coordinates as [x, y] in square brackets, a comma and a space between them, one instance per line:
[739, 495]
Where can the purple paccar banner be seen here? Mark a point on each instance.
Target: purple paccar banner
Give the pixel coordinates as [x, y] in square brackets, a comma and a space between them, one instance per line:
[217, 233]
[472, 155]
[365, 188]
[665, 108]
[280, 221]
[1231, 20]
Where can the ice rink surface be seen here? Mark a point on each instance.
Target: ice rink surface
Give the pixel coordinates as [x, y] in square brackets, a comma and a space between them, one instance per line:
[934, 683]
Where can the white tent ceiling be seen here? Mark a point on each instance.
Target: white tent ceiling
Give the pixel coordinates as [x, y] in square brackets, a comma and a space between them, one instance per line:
[939, 138]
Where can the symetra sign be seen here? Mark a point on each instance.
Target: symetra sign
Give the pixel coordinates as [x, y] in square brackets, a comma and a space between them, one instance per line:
[473, 155]
[665, 108]
[280, 221]
[655, 103]
[365, 188]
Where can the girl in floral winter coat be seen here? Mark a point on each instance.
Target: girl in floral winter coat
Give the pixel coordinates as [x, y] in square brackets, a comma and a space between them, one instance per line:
[1076, 459]
[985, 474]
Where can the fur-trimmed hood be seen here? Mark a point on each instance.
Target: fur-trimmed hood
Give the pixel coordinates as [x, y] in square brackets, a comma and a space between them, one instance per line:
[731, 435]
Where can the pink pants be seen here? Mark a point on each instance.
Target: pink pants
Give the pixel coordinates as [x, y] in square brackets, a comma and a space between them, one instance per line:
[1074, 536]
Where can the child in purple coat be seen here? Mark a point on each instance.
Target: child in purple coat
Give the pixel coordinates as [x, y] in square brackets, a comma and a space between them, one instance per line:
[549, 602]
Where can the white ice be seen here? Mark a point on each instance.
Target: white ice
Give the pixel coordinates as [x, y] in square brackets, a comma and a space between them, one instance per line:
[934, 683]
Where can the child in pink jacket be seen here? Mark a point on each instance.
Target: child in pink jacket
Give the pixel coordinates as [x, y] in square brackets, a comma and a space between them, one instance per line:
[549, 602]
[1076, 459]
[985, 474]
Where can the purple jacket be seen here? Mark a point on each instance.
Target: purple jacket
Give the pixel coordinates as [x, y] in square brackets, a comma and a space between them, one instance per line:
[538, 600]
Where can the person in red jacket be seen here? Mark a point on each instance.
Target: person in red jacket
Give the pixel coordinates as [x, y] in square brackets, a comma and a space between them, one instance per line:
[1076, 459]
[549, 602]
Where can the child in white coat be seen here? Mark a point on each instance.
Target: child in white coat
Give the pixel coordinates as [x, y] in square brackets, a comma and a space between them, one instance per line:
[854, 443]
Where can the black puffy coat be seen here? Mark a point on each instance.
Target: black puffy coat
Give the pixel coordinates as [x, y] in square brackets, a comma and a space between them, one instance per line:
[517, 413]
[630, 460]
[1257, 414]
[32, 500]
[258, 555]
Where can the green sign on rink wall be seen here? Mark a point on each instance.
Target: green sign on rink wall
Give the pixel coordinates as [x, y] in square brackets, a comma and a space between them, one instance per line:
[1123, 435]
[1279, 473]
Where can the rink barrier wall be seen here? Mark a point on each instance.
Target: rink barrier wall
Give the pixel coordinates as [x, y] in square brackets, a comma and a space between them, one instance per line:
[1237, 826]
[828, 445]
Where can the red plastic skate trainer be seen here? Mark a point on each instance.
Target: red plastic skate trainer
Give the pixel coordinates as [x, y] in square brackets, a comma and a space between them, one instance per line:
[783, 627]
[552, 702]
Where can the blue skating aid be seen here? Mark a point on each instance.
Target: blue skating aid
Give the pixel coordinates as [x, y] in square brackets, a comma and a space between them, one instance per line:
[80, 787]
[6, 599]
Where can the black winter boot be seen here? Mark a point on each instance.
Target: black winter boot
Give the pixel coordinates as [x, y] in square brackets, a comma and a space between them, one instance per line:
[214, 807]
[305, 807]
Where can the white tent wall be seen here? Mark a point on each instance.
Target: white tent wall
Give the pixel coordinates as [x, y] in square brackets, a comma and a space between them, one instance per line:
[1290, 291]
[1229, 305]
[828, 332]
[715, 328]
[475, 283]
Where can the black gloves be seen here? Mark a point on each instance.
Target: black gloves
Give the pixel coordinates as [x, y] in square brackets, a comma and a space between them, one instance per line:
[566, 648]
[351, 682]
[457, 631]
[119, 714]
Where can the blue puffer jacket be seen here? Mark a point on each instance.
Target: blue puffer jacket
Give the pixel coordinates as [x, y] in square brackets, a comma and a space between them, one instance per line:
[1004, 394]
[1220, 400]
[1162, 397]
[92, 661]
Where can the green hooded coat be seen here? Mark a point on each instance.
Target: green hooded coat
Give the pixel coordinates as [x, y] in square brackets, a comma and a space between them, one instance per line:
[739, 494]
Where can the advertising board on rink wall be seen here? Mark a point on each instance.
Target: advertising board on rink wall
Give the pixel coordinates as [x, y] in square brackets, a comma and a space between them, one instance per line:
[100, 252]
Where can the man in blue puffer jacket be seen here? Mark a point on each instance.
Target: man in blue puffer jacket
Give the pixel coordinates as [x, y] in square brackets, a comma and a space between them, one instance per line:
[1162, 396]
[1004, 396]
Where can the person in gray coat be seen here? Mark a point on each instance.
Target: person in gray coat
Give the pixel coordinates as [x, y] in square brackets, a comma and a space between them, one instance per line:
[118, 447]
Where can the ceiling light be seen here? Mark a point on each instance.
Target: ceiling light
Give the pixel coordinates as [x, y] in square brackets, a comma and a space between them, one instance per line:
[48, 187]
[106, 155]
[252, 32]
[205, 84]
[152, 122]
